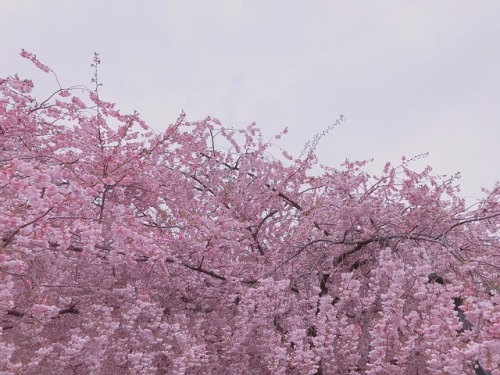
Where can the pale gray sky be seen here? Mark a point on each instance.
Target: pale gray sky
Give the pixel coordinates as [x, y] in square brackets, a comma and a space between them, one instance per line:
[409, 76]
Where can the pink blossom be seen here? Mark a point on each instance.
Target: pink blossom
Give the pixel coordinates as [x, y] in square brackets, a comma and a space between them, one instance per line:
[40, 311]
[34, 60]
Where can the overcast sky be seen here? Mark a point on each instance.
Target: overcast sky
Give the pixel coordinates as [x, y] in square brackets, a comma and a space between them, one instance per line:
[409, 76]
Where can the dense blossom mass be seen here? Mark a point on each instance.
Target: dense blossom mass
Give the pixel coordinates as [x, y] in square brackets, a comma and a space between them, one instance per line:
[196, 251]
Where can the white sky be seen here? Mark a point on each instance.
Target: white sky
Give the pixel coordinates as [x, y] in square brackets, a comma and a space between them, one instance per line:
[409, 76]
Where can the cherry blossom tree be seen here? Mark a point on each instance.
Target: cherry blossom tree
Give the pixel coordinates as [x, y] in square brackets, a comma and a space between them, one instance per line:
[207, 250]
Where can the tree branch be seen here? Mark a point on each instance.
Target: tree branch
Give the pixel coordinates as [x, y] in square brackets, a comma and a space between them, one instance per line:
[9, 238]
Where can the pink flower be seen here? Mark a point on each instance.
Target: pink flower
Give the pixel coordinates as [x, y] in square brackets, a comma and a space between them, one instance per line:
[64, 93]
[42, 311]
[35, 61]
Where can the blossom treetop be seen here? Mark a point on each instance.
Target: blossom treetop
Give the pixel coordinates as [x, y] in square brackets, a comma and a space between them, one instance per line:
[194, 250]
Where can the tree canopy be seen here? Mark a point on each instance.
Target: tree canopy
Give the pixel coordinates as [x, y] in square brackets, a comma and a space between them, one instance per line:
[200, 250]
